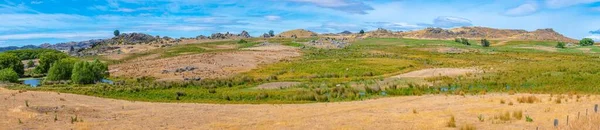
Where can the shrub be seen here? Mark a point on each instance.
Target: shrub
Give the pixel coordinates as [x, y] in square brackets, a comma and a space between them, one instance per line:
[47, 59]
[457, 40]
[485, 43]
[30, 64]
[362, 32]
[9, 75]
[518, 115]
[528, 99]
[13, 62]
[271, 33]
[468, 127]
[61, 70]
[465, 41]
[586, 42]
[241, 41]
[560, 45]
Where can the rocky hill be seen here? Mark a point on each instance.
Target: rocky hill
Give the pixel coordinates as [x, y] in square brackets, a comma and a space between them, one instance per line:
[488, 33]
[297, 33]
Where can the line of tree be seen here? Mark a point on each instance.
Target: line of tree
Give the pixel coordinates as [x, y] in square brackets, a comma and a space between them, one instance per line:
[28, 54]
[80, 72]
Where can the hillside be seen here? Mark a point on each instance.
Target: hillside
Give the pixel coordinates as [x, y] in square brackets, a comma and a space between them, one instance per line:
[489, 33]
[297, 33]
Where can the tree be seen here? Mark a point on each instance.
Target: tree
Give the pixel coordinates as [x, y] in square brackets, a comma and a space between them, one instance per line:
[13, 62]
[117, 33]
[485, 43]
[82, 73]
[586, 42]
[89, 72]
[47, 59]
[560, 45]
[9, 75]
[271, 33]
[100, 70]
[362, 32]
[61, 70]
[30, 64]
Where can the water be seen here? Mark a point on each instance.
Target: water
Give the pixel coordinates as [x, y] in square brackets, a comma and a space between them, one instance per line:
[107, 81]
[33, 82]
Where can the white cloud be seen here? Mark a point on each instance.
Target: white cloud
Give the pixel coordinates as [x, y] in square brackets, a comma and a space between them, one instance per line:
[36, 21]
[522, 10]
[349, 6]
[596, 38]
[448, 22]
[70, 35]
[567, 3]
[37, 2]
[272, 17]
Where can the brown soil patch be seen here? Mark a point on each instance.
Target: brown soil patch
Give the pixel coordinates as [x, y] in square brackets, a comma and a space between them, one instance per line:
[209, 65]
[426, 73]
[450, 50]
[272, 47]
[432, 112]
[277, 85]
[542, 48]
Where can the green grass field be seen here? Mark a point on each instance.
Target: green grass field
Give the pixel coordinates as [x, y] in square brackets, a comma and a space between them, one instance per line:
[355, 72]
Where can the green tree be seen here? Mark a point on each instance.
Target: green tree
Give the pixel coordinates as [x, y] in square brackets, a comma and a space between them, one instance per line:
[100, 70]
[13, 62]
[485, 43]
[362, 32]
[61, 70]
[30, 64]
[271, 33]
[586, 42]
[89, 72]
[117, 33]
[9, 75]
[47, 59]
[560, 45]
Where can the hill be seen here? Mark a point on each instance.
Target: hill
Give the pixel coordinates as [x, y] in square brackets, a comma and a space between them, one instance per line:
[297, 33]
[488, 33]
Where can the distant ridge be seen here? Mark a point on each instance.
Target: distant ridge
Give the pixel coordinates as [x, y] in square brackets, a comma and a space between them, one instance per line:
[488, 33]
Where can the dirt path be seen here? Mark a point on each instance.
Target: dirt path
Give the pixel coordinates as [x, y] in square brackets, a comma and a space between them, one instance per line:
[432, 112]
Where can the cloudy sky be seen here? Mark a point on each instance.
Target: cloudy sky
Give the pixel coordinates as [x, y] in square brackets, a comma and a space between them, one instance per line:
[35, 22]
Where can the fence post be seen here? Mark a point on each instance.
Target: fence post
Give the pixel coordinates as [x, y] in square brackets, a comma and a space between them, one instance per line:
[567, 120]
[555, 122]
[596, 108]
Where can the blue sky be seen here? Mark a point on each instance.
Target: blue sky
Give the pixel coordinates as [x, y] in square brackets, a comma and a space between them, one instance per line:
[24, 22]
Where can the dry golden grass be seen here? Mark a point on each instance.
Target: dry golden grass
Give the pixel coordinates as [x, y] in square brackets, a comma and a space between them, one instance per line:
[528, 99]
[586, 123]
[451, 122]
[468, 127]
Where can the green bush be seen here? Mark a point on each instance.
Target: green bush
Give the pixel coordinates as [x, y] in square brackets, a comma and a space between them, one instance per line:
[586, 42]
[9, 75]
[61, 70]
[30, 63]
[11, 61]
[362, 32]
[485, 43]
[47, 59]
[465, 41]
[560, 45]
[89, 72]
[241, 41]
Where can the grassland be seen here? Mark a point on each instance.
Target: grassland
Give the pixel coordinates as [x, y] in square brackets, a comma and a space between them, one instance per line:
[357, 71]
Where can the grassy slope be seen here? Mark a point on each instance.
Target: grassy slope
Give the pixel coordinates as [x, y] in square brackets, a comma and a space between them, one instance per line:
[366, 61]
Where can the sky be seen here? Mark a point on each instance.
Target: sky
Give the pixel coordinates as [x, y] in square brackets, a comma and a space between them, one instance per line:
[25, 22]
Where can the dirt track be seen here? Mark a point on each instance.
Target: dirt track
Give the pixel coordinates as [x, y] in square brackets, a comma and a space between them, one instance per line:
[433, 111]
